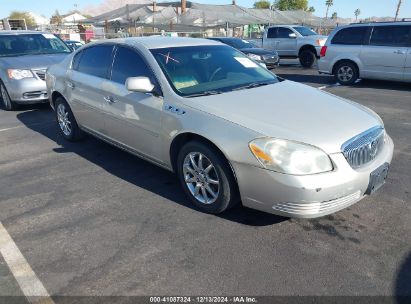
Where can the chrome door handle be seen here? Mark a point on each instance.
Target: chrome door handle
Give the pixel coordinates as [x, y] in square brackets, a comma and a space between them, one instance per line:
[70, 85]
[109, 99]
[399, 52]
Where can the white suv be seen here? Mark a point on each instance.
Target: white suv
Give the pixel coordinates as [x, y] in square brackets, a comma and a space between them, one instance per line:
[372, 50]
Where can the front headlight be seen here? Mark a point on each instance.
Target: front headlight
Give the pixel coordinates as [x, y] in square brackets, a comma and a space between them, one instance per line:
[290, 157]
[19, 74]
[254, 56]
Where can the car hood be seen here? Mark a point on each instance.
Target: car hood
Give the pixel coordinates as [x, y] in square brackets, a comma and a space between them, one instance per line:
[292, 111]
[258, 51]
[32, 61]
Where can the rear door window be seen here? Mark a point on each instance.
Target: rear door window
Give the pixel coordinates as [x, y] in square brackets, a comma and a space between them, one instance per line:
[272, 32]
[392, 35]
[351, 36]
[95, 60]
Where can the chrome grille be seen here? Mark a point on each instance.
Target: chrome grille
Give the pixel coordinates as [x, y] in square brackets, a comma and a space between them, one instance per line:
[364, 147]
[40, 74]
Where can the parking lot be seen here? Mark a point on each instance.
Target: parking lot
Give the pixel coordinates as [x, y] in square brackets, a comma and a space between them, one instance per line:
[93, 220]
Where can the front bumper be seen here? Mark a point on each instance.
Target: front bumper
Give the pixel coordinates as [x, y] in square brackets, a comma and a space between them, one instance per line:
[308, 196]
[27, 91]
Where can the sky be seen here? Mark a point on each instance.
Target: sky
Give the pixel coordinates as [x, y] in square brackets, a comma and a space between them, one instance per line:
[344, 8]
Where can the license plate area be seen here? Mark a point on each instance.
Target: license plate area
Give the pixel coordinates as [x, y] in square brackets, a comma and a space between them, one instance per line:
[377, 178]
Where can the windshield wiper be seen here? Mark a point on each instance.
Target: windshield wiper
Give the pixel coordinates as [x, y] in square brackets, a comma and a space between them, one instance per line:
[252, 85]
[206, 93]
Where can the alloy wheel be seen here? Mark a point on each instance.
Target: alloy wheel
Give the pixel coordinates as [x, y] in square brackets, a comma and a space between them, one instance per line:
[201, 178]
[345, 73]
[64, 119]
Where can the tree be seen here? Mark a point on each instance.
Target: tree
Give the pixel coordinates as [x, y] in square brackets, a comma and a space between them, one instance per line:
[357, 13]
[334, 15]
[328, 3]
[291, 5]
[56, 18]
[262, 4]
[311, 9]
[30, 22]
[398, 9]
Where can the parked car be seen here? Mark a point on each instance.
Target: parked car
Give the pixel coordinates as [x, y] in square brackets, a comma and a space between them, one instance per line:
[373, 50]
[24, 59]
[74, 44]
[230, 129]
[293, 41]
[269, 58]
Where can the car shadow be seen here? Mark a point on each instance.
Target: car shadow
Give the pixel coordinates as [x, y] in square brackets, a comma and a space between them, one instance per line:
[303, 78]
[403, 282]
[383, 85]
[135, 170]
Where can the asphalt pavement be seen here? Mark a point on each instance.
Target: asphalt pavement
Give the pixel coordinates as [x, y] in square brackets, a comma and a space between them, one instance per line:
[93, 220]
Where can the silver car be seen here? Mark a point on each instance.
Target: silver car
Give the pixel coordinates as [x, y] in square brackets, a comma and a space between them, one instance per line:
[373, 51]
[24, 59]
[230, 129]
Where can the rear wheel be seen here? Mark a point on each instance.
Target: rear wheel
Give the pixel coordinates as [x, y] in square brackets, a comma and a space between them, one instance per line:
[307, 58]
[206, 178]
[346, 73]
[66, 121]
[7, 103]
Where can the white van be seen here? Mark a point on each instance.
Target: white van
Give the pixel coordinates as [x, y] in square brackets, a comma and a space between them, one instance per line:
[368, 50]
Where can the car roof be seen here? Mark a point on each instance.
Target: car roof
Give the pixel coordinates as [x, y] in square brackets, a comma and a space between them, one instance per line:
[21, 32]
[158, 42]
[400, 23]
[289, 25]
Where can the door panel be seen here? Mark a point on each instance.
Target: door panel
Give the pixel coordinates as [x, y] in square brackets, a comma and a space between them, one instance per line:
[86, 100]
[386, 54]
[133, 119]
[383, 62]
[90, 68]
[286, 46]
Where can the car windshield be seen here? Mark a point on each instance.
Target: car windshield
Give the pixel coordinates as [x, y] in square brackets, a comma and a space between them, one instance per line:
[305, 31]
[31, 44]
[238, 43]
[207, 70]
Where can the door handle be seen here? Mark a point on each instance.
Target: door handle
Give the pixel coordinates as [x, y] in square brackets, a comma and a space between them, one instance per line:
[109, 99]
[70, 85]
[399, 52]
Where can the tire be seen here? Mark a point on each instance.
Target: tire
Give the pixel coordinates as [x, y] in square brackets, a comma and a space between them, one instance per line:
[6, 102]
[66, 122]
[307, 58]
[346, 73]
[218, 179]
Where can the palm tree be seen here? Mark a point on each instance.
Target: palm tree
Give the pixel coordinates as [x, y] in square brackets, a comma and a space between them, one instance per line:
[357, 13]
[398, 9]
[328, 3]
[334, 15]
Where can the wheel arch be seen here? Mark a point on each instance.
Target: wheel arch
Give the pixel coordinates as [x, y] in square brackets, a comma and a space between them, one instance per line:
[346, 60]
[54, 97]
[183, 138]
[308, 47]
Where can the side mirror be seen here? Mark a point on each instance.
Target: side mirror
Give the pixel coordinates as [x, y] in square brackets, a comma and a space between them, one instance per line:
[292, 36]
[139, 84]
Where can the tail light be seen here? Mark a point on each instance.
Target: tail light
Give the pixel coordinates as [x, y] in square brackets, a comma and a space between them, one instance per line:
[323, 51]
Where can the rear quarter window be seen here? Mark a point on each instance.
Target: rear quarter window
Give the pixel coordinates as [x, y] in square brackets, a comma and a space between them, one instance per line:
[351, 36]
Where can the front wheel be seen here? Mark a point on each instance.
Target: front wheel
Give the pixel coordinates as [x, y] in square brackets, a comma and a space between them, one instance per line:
[307, 58]
[67, 123]
[206, 178]
[7, 103]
